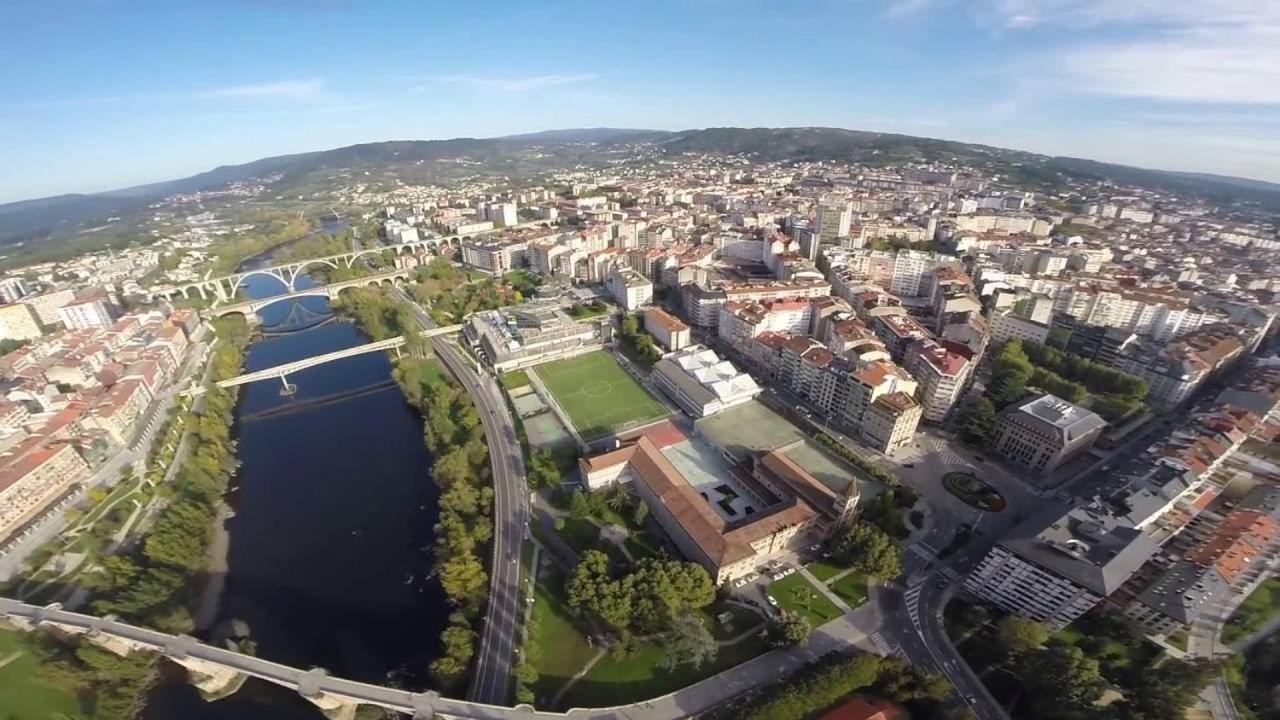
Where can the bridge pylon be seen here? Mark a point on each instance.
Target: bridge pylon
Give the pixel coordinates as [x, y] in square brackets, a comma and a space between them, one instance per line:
[289, 388]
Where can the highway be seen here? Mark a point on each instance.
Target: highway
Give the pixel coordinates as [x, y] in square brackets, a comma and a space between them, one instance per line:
[492, 677]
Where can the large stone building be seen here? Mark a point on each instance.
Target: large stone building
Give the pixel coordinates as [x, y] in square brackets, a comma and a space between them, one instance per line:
[1041, 433]
[789, 506]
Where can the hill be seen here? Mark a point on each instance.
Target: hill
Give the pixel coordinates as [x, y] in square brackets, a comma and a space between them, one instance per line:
[424, 160]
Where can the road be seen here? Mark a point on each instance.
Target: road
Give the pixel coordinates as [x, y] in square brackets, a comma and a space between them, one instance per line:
[492, 678]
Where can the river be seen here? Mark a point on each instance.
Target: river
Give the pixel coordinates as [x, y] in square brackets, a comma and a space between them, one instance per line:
[329, 545]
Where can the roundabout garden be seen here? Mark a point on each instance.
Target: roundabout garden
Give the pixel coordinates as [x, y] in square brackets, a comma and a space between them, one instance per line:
[973, 491]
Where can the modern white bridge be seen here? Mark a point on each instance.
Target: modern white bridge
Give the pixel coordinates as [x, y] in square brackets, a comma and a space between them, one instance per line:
[284, 371]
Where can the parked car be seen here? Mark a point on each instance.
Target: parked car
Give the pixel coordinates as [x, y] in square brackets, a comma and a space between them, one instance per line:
[772, 601]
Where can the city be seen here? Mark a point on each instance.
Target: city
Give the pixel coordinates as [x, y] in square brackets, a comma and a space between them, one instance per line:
[553, 416]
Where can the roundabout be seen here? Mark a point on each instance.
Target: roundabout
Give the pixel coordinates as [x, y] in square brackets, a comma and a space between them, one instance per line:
[973, 491]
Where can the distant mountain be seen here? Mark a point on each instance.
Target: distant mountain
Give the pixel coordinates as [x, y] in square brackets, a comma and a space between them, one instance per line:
[591, 135]
[36, 219]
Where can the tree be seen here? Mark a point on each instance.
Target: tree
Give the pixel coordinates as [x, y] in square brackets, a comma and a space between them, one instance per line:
[1019, 635]
[978, 422]
[789, 630]
[870, 551]
[901, 682]
[1061, 681]
[1008, 387]
[688, 643]
[640, 514]
[463, 579]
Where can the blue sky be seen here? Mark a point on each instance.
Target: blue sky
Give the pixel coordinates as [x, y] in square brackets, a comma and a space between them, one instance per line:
[102, 94]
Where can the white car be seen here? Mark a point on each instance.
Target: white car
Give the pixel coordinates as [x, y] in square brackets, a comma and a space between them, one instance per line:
[772, 601]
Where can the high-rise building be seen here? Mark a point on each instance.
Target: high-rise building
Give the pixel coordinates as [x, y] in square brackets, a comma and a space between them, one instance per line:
[834, 217]
[91, 308]
[12, 289]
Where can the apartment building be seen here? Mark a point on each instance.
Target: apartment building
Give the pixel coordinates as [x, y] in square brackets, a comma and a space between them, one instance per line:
[834, 215]
[1055, 567]
[494, 255]
[46, 305]
[89, 309]
[1042, 433]
[741, 321]
[34, 475]
[942, 369]
[631, 289]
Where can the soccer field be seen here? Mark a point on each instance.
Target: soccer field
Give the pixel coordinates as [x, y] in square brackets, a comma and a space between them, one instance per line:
[599, 396]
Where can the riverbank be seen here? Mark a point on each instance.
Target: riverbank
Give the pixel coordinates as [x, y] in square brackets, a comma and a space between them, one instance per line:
[454, 435]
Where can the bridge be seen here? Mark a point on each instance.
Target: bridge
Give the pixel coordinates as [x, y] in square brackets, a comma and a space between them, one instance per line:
[284, 371]
[224, 287]
[217, 672]
[250, 308]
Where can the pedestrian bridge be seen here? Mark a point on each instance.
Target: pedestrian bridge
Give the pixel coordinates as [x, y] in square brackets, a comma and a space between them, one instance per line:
[218, 671]
[284, 371]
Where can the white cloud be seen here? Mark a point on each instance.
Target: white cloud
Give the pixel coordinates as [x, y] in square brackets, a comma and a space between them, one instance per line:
[1202, 51]
[283, 89]
[286, 89]
[516, 84]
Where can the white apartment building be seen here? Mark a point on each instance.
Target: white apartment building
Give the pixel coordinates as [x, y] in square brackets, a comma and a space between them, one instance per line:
[631, 289]
[12, 289]
[740, 322]
[494, 256]
[942, 369]
[1006, 326]
[35, 476]
[90, 309]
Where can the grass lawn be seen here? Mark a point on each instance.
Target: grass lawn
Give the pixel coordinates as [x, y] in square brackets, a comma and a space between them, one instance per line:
[563, 650]
[797, 595]
[741, 620]
[22, 697]
[1257, 609]
[824, 570]
[580, 534]
[851, 588]
[615, 682]
[515, 379]
[598, 395]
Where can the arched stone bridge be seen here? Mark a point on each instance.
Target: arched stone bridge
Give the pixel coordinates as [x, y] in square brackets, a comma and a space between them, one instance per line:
[250, 308]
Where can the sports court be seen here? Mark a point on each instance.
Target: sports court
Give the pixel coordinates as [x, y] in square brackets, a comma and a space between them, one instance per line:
[598, 395]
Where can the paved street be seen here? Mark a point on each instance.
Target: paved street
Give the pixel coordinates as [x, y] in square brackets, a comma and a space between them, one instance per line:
[492, 681]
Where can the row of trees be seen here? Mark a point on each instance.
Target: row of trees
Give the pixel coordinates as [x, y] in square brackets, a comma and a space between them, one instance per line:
[835, 677]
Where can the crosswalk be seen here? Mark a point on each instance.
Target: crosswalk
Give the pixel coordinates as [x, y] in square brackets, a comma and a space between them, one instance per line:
[882, 646]
[924, 550]
[950, 457]
[950, 573]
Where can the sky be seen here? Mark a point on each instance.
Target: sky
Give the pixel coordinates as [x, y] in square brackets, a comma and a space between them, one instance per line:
[105, 94]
